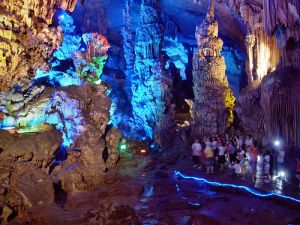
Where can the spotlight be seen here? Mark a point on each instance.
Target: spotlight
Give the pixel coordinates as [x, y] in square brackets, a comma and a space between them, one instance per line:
[282, 174]
[277, 143]
[143, 151]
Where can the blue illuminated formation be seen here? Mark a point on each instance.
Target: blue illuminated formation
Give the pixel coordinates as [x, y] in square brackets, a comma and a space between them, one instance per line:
[63, 71]
[177, 54]
[150, 84]
[241, 187]
[235, 71]
[59, 109]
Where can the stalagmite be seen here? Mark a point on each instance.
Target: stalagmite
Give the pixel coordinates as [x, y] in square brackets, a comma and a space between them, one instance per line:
[213, 103]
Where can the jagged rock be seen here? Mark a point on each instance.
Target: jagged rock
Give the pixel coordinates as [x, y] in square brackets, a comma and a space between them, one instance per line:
[37, 148]
[112, 142]
[213, 103]
[87, 167]
[6, 212]
[23, 185]
[27, 41]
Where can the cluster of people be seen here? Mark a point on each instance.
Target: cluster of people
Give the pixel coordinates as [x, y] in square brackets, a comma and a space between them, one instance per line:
[238, 153]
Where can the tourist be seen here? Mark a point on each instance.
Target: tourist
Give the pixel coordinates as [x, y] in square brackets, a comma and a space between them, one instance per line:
[214, 146]
[227, 147]
[232, 153]
[197, 153]
[298, 173]
[221, 158]
[249, 142]
[253, 161]
[280, 155]
[240, 142]
[208, 142]
[267, 165]
[219, 140]
[237, 168]
[209, 154]
[242, 158]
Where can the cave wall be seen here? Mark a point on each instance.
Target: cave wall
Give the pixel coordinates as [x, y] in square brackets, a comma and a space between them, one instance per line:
[272, 44]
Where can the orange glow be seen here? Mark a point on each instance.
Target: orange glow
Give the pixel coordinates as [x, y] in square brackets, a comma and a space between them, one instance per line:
[12, 131]
[143, 151]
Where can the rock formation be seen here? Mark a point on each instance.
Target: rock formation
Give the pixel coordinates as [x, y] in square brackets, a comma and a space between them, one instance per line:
[213, 103]
[273, 34]
[150, 83]
[36, 148]
[280, 92]
[175, 50]
[22, 185]
[272, 43]
[70, 97]
[27, 41]
[25, 161]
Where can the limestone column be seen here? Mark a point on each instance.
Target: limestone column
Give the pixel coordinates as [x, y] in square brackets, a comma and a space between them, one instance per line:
[213, 103]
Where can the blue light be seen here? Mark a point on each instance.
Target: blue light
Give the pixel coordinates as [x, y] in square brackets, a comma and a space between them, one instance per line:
[250, 190]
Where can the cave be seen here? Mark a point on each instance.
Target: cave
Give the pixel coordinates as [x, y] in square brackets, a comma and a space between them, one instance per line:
[162, 112]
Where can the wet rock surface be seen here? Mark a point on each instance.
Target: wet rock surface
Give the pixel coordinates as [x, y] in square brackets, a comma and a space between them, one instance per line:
[139, 196]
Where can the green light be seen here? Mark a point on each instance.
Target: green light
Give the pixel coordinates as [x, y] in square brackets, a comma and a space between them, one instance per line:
[123, 147]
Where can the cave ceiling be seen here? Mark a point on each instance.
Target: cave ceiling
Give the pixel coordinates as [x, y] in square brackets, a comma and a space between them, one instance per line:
[185, 13]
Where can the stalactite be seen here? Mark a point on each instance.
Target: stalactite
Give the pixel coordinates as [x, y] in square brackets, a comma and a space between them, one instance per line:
[273, 23]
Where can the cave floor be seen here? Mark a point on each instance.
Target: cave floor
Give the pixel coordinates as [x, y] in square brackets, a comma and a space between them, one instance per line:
[159, 197]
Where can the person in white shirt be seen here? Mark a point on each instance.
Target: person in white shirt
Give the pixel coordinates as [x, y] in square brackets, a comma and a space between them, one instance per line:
[221, 153]
[280, 160]
[249, 142]
[240, 142]
[237, 169]
[196, 153]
